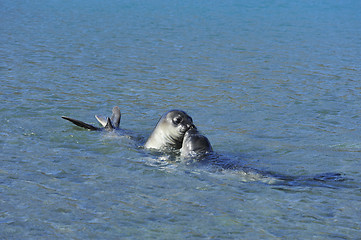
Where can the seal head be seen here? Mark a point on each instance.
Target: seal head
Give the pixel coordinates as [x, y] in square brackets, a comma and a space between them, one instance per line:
[170, 130]
[195, 144]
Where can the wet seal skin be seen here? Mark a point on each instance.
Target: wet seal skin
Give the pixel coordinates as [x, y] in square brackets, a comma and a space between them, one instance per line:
[170, 130]
[107, 123]
[195, 144]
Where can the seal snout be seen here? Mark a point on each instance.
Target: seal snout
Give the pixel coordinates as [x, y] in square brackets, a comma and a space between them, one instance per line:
[191, 126]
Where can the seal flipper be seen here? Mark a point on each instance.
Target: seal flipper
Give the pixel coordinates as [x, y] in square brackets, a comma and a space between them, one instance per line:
[115, 118]
[81, 124]
[109, 126]
[101, 120]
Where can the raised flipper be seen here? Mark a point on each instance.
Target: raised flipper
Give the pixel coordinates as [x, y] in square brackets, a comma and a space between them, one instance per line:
[115, 118]
[109, 126]
[101, 120]
[81, 124]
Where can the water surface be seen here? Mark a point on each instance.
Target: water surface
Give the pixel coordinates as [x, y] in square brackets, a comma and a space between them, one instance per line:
[274, 85]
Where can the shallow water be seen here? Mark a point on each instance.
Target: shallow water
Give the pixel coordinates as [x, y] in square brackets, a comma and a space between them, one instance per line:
[275, 86]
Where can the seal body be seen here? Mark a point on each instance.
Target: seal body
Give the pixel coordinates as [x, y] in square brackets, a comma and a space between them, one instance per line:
[170, 130]
[195, 144]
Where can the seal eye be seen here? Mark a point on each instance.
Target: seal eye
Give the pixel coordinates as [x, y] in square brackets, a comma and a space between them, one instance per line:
[177, 120]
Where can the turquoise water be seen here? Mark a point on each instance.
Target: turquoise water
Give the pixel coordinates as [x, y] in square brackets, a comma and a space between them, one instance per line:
[274, 85]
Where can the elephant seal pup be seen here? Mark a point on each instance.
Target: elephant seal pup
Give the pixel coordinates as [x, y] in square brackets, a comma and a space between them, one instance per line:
[195, 144]
[170, 130]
